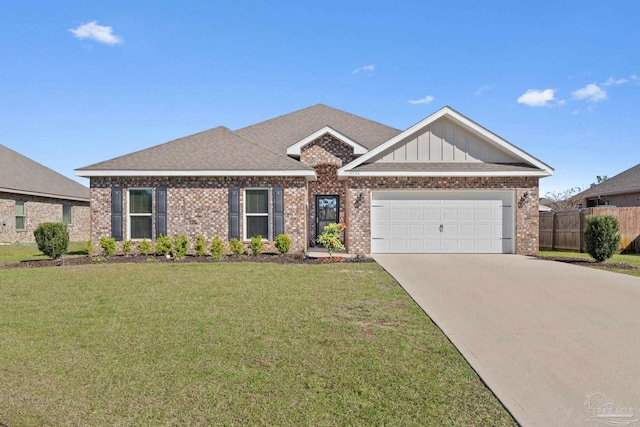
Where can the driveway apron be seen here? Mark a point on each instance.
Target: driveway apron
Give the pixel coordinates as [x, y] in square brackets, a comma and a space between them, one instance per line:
[558, 344]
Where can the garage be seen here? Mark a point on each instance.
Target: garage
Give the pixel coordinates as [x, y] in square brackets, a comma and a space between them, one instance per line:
[442, 221]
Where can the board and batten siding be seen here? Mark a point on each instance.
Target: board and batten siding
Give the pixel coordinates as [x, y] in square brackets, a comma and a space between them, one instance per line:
[444, 141]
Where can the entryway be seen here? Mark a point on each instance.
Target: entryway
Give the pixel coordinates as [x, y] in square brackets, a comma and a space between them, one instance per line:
[327, 211]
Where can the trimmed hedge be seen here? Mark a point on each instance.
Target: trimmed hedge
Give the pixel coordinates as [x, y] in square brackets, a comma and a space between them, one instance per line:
[601, 237]
[52, 239]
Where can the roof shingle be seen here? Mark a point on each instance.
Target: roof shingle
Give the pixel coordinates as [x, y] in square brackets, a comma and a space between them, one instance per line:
[20, 174]
[625, 182]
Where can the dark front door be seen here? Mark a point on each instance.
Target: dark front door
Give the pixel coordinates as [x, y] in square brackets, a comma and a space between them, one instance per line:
[327, 211]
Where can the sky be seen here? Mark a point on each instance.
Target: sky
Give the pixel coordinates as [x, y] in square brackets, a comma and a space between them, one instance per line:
[82, 82]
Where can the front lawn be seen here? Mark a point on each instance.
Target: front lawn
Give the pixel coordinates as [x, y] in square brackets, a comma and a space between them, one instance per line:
[619, 263]
[227, 344]
[10, 254]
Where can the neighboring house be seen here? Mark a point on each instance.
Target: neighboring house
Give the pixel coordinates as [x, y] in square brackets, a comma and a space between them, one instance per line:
[31, 194]
[622, 190]
[445, 184]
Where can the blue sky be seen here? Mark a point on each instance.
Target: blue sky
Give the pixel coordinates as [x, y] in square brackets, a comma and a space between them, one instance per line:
[82, 82]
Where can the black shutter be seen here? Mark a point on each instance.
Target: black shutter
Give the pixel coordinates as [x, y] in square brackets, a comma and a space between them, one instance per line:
[116, 213]
[234, 213]
[161, 211]
[278, 211]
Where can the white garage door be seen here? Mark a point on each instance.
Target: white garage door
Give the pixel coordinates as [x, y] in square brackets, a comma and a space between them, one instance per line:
[442, 222]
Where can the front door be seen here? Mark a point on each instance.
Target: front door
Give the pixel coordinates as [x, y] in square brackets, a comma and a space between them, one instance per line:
[327, 211]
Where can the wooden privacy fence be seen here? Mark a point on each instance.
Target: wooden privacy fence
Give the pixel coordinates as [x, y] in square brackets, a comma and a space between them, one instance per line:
[564, 230]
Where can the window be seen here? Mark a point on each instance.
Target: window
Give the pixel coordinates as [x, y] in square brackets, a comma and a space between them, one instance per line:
[19, 215]
[140, 214]
[256, 213]
[66, 214]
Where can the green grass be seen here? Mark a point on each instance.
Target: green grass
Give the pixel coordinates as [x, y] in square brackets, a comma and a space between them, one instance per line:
[227, 344]
[11, 254]
[631, 259]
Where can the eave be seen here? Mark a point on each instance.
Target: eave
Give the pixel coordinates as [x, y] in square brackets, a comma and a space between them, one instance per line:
[310, 175]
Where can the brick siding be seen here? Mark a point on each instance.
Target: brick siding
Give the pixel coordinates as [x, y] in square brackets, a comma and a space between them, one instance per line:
[38, 210]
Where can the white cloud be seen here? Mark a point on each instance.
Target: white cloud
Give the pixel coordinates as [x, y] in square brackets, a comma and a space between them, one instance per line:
[591, 92]
[427, 99]
[537, 98]
[611, 81]
[365, 68]
[99, 33]
[482, 89]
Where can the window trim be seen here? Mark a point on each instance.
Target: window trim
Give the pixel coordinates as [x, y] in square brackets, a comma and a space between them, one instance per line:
[129, 214]
[23, 216]
[245, 214]
[70, 214]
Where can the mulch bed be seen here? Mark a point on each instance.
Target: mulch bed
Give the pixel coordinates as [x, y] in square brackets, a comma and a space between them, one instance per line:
[593, 263]
[141, 259]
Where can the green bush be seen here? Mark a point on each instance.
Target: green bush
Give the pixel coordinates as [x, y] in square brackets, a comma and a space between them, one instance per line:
[108, 245]
[217, 248]
[256, 245]
[52, 239]
[283, 243]
[601, 237]
[88, 247]
[163, 245]
[201, 246]
[180, 246]
[145, 247]
[127, 247]
[235, 246]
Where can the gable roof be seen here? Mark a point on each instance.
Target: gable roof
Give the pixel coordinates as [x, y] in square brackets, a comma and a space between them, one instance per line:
[295, 149]
[21, 175]
[625, 182]
[280, 133]
[214, 152]
[535, 167]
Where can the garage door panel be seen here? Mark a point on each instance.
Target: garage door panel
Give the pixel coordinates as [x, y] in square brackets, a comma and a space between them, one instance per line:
[449, 222]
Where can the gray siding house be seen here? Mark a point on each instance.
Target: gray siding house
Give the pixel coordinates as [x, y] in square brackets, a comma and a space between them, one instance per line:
[622, 190]
[31, 194]
[445, 184]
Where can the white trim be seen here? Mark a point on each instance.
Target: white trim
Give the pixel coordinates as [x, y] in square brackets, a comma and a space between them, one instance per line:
[294, 150]
[349, 173]
[460, 120]
[309, 174]
[50, 196]
[268, 214]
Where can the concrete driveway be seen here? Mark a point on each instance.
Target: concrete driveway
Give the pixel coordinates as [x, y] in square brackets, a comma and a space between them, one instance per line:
[543, 335]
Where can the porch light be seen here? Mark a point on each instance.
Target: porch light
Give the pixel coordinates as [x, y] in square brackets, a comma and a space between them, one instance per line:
[360, 198]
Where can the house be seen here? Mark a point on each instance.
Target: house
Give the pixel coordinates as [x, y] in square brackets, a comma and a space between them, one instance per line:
[445, 184]
[31, 194]
[622, 190]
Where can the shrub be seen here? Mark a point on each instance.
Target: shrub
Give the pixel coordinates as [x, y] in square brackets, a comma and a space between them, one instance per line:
[127, 247]
[201, 246]
[283, 243]
[52, 239]
[163, 245]
[108, 245]
[601, 237]
[235, 246]
[88, 247]
[180, 246]
[217, 248]
[256, 245]
[145, 247]
[330, 237]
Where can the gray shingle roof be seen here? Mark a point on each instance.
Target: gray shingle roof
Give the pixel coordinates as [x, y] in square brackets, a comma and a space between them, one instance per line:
[19, 174]
[281, 132]
[625, 182]
[216, 149]
[444, 167]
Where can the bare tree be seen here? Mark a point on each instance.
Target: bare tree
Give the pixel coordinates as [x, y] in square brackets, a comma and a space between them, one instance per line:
[563, 200]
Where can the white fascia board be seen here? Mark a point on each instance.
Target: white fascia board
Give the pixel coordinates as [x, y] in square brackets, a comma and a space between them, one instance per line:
[345, 174]
[295, 149]
[309, 174]
[460, 119]
[47, 195]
